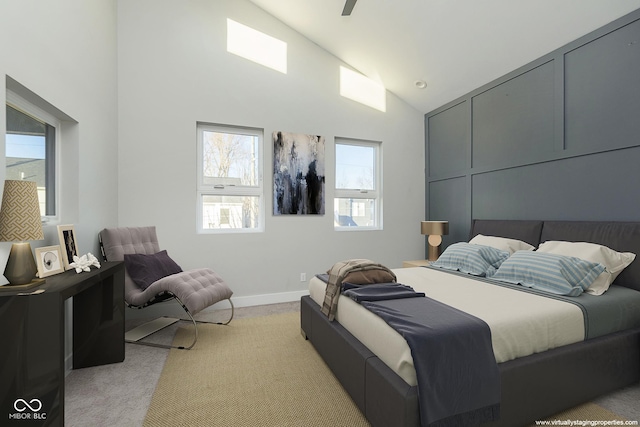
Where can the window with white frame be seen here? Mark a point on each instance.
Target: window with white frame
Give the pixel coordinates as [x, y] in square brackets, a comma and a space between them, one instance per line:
[30, 149]
[230, 194]
[358, 193]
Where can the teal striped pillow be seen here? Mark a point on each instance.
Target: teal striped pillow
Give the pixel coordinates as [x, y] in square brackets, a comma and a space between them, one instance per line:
[478, 260]
[556, 274]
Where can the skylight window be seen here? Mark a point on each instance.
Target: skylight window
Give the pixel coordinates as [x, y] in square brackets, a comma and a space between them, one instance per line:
[362, 89]
[256, 46]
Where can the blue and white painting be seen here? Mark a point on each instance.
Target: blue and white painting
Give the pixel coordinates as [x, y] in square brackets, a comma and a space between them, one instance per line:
[298, 174]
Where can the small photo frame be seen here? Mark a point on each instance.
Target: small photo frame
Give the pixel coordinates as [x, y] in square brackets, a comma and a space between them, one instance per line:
[49, 261]
[68, 243]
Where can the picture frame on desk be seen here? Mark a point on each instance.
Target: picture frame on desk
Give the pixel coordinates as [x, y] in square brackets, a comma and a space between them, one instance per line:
[68, 243]
[49, 261]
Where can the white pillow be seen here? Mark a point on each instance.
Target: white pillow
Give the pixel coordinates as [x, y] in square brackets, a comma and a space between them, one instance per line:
[614, 262]
[502, 243]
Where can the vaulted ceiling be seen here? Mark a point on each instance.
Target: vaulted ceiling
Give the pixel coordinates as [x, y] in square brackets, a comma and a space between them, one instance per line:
[454, 46]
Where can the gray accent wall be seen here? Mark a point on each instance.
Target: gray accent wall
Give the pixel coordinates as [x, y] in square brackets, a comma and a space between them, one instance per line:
[557, 139]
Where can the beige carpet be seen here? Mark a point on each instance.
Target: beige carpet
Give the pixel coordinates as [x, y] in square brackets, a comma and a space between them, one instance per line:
[254, 372]
[261, 372]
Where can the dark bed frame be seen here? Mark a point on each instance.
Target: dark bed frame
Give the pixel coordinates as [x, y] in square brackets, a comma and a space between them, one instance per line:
[533, 387]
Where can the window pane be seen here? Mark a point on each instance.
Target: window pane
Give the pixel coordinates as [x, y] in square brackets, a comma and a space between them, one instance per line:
[26, 152]
[229, 159]
[362, 89]
[355, 212]
[355, 167]
[256, 46]
[230, 212]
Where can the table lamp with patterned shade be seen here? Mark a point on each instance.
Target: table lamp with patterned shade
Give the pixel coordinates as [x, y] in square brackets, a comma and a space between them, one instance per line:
[19, 223]
[435, 230]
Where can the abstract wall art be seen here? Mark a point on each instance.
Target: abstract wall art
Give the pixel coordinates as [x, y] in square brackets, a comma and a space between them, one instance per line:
[298, 174]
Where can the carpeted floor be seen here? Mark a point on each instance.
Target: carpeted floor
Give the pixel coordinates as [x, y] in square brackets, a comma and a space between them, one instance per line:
[251, 360]
[119, 395]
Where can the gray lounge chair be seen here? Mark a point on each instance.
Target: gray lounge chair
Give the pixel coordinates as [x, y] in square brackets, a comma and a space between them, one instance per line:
[194, 290]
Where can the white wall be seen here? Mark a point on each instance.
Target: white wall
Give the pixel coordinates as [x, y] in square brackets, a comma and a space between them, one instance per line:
[64, 51]
[173, 70]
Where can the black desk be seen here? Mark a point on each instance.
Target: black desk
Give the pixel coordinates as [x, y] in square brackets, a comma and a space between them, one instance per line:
[32, 329]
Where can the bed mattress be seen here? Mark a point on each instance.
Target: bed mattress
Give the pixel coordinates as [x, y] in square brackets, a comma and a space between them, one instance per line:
[521, 323]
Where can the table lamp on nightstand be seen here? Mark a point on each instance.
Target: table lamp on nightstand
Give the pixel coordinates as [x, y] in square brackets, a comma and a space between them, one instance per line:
[435, 230]
[20, 222]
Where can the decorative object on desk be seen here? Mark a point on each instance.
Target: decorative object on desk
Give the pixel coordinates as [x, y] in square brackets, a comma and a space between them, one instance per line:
[49, 260]
[84, 262]
[298, 174]
[20, 222]
[67, 236]
[435, 230]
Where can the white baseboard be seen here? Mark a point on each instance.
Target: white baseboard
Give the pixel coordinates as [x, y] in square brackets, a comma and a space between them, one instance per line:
[253, 300]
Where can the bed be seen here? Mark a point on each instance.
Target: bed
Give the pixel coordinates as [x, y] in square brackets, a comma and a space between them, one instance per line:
[533, 386]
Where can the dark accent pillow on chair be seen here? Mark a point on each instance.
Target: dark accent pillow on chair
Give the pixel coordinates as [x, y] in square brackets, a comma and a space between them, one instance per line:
[145, 269]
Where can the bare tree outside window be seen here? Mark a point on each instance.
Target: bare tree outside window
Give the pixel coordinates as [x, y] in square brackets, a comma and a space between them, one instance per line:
[230, 186]
[230, 157]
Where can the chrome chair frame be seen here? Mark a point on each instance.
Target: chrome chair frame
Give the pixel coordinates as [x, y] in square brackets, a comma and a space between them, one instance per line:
[167, 296]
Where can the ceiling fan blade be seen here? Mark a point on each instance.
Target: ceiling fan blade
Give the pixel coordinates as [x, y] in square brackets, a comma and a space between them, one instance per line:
[348, 7]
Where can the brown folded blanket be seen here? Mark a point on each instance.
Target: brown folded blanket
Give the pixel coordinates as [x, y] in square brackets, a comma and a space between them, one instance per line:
[357, 271]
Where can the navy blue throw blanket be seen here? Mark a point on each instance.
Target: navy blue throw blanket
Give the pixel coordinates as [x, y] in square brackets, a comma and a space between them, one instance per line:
[458, 378]
[378, 291]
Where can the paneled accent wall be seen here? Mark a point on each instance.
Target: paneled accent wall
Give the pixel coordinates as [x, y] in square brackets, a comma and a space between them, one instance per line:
[558, 139]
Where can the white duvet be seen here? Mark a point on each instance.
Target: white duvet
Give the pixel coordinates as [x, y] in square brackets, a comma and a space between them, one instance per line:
[521, 323]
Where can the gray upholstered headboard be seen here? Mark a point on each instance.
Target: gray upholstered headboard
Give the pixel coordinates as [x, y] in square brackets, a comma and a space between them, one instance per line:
[619, 236]
[527, 231]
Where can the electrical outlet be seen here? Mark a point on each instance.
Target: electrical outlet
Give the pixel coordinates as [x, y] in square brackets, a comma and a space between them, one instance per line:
[303, 277]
